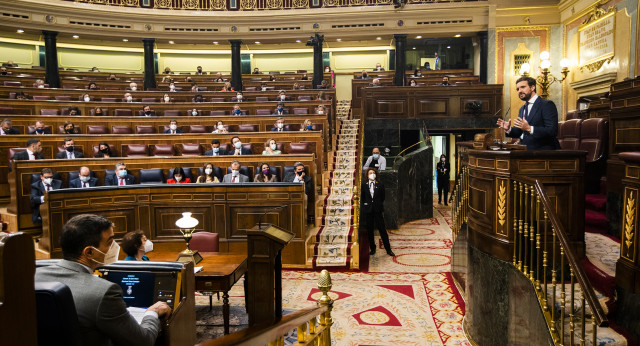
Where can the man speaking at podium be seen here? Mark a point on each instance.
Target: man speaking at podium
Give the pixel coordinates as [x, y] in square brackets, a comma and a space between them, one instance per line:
[537, 122]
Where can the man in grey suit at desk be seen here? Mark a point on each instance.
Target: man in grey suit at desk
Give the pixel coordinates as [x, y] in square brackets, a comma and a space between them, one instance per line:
[87, 243]
[235, 176]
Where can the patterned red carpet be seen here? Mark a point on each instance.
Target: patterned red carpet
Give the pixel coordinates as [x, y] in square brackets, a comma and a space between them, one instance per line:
[407, 300]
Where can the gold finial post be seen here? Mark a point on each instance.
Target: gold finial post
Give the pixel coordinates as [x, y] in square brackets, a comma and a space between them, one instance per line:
[324, 285]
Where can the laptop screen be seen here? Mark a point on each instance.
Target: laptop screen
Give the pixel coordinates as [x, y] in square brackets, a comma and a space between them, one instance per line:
[143, 289]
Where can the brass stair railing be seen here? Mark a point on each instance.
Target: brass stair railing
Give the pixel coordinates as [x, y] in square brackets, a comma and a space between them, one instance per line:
[543, 254]
[460, 199]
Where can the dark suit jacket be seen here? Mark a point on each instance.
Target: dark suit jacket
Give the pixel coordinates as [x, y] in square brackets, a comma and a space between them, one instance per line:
[210, 152]
[113, 180]
[177, 131]
[283, 112]
[46, 132]
[63, 155]
[544, 119]
[143, 115]
[308, 183]
[443, 171]
[77, 183]
[275, 129]
[243, 151]
[373, 204]
[102, 314]
[23, 155]
[37, 191]
[11, 131]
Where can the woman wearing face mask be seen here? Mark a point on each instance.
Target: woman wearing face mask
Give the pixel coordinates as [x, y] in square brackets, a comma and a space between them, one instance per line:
[70, 128]
[220, 128]
[321, 110]
[104, 151]
[413, 83]
[207, 174]
[265, 176]
[442, 178]
[270, 148]
[166, 98]
[307, 125]
[372, 209]
[227, 87]
[236, 110]
[135, 244]
[98, 112]
[178, 177]
[86, 98]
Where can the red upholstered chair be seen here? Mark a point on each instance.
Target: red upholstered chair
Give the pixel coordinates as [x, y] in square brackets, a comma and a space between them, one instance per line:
[263, 112]
[594, 138]
[300, 111]
[571, 115]
[172, 113]
[190, 149]
[304, 98]
[250, 89]
[121, 130]
[63, 98]
[122, 112]
[12, 83]
[49, 112]
[6, 110]
[135, 150]
[247, 128]
[76, 148]
[570, 134]
[198, 129]
[255, 79]
[108, 99]
[201, 88]
[216, 113]
[145, 129]
[163, 150]
[69, 86]
[225, 147]
[97, 130]
[13, 151]
[217, 99]
[105, 111]
[32, 128]
[248, 146]
[262, 99]
[206, 242]
[299, 148]
[111, 146]
[148, 100]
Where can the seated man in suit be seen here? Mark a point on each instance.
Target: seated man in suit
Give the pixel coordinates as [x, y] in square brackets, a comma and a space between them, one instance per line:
[282, 96]
[147, 112]
[537, 122]
[84, 179]
[120, 177]
[69, 150]
[375, 83]
[235, 176]
[236, 112]
[364, 75]
[280, 110]
[445, 81]
[173, 127]
[7, 127]
[199, 71]
[215, 149]
[87, 242]
[33, 152]
[378, 67]
[299, 176]
[46, 183]
[237, 147]
[279, 126]
[40, 129]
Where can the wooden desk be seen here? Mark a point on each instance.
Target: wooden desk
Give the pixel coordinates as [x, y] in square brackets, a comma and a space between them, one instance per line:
[219, 273]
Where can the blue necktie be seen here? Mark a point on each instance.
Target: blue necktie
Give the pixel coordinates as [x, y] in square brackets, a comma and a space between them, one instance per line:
[525, 113]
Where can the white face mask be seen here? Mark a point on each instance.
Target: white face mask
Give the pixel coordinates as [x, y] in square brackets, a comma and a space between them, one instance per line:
[166, 99]
[238, 145]
[273, 147]
[84, 179]
[239, 97]
[221, 127]
[41, 86]
[87, 99]
[320, 111]
[129, 98]
[235, 172]
[442, 159]
[283, 97]
[134, 88]
[208, 171]
[111, 255]
[172, 87]
[194, 113]
[372, 176]
[264, 88]
[178, 178]
[148, 246]
[173, 127]
[48, 181]
[280, 125]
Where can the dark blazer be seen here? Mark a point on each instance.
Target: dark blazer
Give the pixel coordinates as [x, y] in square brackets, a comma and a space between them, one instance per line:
[77, 183]
[442, 170]
[102, 313]
[63, 155]
[11, 131]
[112, 180]
[544, 119]
[144, 115]
[243, 151]
[178, 130]
[260, 178]
[373, 204]
[275, 129]
[23, 155]
[308, 183]
[37, 191]
[46, 132]
[284, 111]
[210, 152]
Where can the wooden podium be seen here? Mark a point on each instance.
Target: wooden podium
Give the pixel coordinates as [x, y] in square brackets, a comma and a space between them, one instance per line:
[264, 265]
[492, 175]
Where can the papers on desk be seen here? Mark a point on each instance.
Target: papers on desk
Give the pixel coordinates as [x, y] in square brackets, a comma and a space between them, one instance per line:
[197, 269]
[137, 313]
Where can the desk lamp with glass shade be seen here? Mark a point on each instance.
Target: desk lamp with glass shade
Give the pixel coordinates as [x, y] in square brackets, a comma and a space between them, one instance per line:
[187, 225]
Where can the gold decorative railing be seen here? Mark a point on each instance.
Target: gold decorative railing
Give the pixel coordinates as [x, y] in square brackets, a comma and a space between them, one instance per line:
[542, 253]
[460, 201]
[312, 325]
[249, 5]
[355, 247]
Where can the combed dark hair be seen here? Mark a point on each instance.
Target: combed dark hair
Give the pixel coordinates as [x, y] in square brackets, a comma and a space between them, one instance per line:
[32, 141]
[215, 141]
[81, 231]
[268, 174]
[46, 171]
[531, 81]
[178, 170]
[131, 242]
[375, 170]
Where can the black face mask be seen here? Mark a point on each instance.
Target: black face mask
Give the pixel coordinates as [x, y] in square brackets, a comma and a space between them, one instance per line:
[299, 173]
[364, 75]
[4, 73]
[69, 131]
[70, 148]
[147, 112]
[98, 113]
[104, 150]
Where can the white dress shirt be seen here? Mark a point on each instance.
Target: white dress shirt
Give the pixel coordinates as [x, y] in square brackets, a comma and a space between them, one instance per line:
[32, 156]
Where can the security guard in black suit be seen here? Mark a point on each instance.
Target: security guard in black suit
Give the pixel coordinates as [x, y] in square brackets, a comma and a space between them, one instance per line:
[372, 208]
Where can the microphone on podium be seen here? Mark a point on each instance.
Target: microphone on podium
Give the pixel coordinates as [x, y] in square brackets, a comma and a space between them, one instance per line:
[268, 210]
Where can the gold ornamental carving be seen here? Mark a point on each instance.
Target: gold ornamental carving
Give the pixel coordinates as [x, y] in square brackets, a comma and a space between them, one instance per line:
[596, 38]
[598, 12]
[300, 3]
[162, 3]
[274, 4]
[502, 203]
[218, 4]
[329, 3]
[595, 66]
[133, 3]
[190, 4]
[247, 4]
[629, 223]
[356, 2]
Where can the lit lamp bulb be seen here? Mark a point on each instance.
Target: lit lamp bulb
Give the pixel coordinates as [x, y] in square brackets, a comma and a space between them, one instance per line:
[545, 64]
[525, 68]
[544, 55]
[564, 63]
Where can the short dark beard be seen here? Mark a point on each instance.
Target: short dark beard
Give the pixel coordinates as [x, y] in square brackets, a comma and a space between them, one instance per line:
[527, 97]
